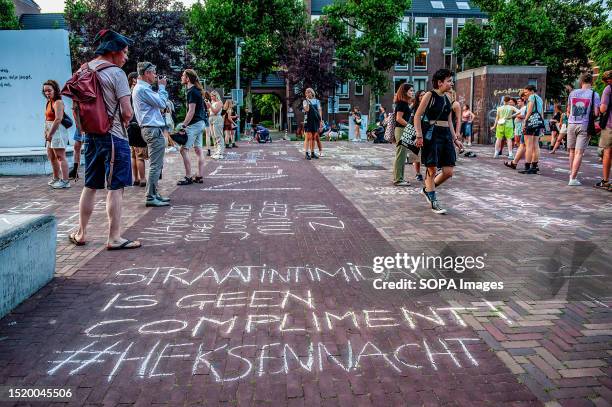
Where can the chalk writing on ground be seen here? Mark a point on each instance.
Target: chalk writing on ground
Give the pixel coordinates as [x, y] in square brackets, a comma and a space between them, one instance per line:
[192, 223]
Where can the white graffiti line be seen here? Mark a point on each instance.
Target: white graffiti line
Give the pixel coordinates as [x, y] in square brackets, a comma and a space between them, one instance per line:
[83, 352]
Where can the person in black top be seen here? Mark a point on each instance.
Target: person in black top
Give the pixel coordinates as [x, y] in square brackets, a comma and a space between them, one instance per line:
[437, 141]
[194, 126]
[403, 99]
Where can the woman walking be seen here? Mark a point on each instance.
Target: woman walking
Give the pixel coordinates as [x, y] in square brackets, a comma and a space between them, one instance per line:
[437, 142]
[403, 98]
[314, 121]
[216, 124]
[356, 115]
[207, 129]
[467, 120]
[56, 135]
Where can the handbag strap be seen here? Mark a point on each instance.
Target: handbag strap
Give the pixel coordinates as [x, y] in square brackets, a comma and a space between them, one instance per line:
[440, 112]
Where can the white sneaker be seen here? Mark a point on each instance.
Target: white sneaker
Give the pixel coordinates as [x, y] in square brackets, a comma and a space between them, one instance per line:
[496, 155]
[61, 184]
[574, 182]
[52, 181]
[510, 157]
[469, 144]
[320, 154]
[402, 184]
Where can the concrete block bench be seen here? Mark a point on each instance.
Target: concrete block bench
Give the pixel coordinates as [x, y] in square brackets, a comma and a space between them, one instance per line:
[27, 257]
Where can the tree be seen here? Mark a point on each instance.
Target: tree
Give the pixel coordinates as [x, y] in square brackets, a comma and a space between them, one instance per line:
[8, 19]
[156, 26]
[548, 31]
[263, 25]
[475, 45]
[308, 59]
[370, 41]
[268, 104]
[599, 41]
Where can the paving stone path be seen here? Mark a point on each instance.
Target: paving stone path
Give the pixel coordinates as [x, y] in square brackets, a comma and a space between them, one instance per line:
[255, 288]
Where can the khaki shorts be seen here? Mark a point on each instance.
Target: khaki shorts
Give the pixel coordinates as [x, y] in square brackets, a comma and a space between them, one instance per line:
[605, 139]
[140, 153]
[577, 137]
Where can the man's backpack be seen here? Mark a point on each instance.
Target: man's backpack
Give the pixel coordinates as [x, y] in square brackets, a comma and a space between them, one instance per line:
[85, 90]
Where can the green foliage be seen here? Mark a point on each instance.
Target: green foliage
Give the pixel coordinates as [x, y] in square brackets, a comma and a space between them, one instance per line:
[369, 41]
[548, 31]
[599, 41]
[8, 18]
[262, 24]
[267, 104]
[475, 44]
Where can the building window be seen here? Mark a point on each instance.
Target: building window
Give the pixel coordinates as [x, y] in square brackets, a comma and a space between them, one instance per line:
[405, 25]
[448, 36]
[397, 82]
[437, 4]
[343, 90]
[420, 60]
[463, 5]
[420, 84]
[358, 88]
[344, 108]
[448, 59]
[401, 67]
[459, 65]
[421, 29]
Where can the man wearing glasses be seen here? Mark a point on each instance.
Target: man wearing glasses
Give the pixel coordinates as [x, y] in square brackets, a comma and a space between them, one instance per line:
[148, 105]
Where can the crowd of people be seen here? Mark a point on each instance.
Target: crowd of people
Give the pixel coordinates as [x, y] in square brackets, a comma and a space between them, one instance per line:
[429, 129]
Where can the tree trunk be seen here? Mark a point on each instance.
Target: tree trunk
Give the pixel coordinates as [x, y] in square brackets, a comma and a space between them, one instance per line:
[372, 111]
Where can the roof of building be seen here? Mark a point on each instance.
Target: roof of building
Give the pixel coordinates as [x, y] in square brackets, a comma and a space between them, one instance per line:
[426, 8]
[30, 3]
[44, 21]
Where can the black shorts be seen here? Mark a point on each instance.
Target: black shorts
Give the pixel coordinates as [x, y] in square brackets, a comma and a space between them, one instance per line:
[440, 150]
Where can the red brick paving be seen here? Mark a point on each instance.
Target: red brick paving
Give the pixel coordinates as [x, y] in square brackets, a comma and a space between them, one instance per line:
[282, 214]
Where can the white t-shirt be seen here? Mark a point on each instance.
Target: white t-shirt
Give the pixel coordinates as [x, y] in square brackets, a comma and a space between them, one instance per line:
[114, 86]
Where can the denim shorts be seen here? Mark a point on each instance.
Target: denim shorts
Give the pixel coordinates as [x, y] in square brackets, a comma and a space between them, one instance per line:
[194, 134]
[77, 135]
[98, 158]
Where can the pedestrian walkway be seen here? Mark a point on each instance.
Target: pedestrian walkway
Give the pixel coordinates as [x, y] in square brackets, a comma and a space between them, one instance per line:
[255, 288]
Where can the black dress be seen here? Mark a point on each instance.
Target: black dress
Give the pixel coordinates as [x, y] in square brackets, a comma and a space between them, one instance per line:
[439, 151]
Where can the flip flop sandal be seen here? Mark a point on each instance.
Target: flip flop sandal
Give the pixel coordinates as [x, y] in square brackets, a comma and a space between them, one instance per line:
[74, 241]
[124, 246]
[510, 164]
[198, 180]
[185, 181]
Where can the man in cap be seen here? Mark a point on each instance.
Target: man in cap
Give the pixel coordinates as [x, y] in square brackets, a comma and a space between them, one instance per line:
[148, 105]
[107, 158]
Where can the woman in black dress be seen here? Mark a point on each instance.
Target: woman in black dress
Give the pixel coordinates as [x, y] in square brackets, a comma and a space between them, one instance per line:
[437, 141]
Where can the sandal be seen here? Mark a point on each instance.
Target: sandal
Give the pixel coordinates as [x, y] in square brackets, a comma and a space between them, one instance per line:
[198, 180]
[185, 181]
[143, 183]
[136, 183]
[74, 241]
[510, 164]
[128, 244]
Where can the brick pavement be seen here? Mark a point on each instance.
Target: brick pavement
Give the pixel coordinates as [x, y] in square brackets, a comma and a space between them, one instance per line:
[252, 289]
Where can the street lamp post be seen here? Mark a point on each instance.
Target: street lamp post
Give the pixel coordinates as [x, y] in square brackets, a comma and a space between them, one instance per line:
[238, 49]
[334, 64]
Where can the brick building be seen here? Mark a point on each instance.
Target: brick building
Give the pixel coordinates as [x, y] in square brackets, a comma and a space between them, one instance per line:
[484, 88]
[437, 24]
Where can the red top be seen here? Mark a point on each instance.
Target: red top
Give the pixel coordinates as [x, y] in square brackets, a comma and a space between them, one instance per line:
[49, 113]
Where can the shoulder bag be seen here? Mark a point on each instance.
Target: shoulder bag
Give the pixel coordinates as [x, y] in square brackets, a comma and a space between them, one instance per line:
[66, 120]
[409, 136]
[534, 122]
[593, 128]
[390, 129]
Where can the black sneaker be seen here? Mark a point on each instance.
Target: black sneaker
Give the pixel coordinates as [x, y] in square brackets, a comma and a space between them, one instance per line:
[308, 156]
[436, 208]
[313, 155]
[419, 177]
[234, 145]
[208, 153]
[425, 194]
[185, 181]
